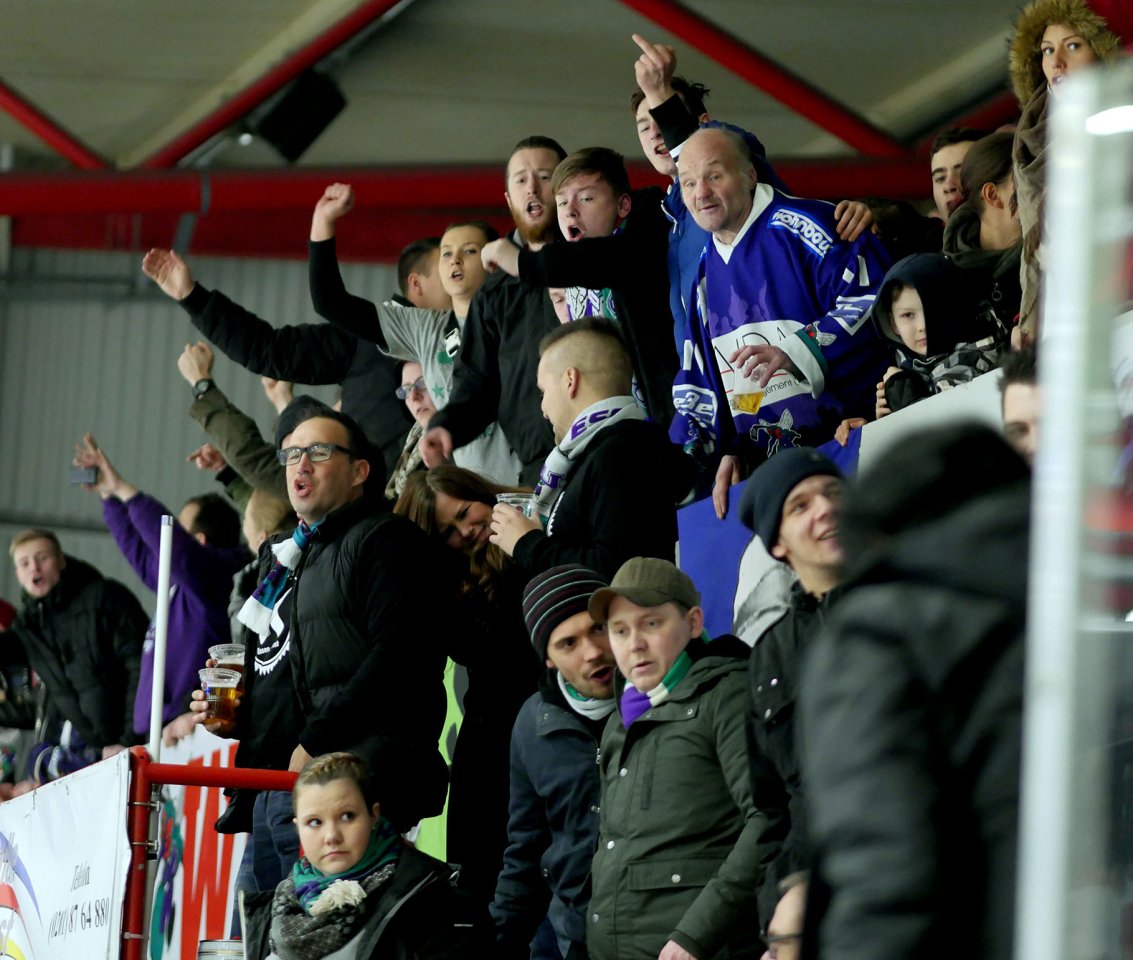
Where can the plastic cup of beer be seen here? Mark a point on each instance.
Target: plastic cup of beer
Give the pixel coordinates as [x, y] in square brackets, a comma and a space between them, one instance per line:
[523, 502]
[230, 656]
[747, 394]
[220, 686]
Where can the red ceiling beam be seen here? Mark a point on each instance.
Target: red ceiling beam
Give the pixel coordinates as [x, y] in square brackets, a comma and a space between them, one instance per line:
[382, 188]
[772, 78]
[270, 83]
[190, 191]
[30, 116]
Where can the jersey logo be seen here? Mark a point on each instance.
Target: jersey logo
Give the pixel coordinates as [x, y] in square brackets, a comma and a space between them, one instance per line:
[695, 402]
[804, 228]
[777, 434]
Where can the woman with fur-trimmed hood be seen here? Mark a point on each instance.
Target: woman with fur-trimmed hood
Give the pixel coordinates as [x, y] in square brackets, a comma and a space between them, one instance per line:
[1053, 38]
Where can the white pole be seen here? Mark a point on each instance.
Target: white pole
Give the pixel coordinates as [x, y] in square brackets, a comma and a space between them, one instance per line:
[161, 636]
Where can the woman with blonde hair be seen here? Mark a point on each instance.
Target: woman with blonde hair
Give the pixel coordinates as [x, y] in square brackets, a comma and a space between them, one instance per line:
[359, 890]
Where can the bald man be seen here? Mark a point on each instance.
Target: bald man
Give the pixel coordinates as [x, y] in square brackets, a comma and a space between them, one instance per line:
[778, 299]
[609, 489]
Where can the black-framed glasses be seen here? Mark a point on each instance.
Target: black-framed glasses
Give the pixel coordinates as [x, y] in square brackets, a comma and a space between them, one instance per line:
[407, 388]
[316, 453]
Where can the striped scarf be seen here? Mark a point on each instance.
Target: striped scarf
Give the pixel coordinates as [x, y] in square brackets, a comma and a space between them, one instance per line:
[634, 703]
[257, 610]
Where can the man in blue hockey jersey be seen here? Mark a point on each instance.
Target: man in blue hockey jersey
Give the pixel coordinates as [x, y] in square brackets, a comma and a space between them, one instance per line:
[778, 298]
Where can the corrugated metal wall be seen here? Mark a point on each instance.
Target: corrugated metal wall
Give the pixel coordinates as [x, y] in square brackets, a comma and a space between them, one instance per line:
[88, 343]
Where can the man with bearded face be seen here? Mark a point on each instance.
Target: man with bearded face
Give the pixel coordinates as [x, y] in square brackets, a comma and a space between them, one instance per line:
[494, 376]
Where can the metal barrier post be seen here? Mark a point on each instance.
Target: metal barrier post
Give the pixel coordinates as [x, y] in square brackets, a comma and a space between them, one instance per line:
[141, 808]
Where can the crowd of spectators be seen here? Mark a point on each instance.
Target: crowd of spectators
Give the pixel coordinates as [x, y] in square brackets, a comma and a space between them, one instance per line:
[498, 486]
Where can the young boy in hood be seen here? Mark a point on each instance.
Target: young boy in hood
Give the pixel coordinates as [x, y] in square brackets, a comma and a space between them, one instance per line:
[927, 310]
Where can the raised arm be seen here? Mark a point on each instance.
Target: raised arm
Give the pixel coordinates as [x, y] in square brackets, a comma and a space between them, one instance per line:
[306, 353]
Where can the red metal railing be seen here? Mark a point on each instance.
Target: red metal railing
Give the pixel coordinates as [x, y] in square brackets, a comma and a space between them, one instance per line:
[144, 776]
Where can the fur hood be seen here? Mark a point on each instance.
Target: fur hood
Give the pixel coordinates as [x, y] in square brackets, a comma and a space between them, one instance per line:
[1024, 62]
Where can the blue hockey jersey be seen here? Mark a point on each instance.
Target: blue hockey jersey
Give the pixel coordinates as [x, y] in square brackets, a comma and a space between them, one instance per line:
[789, 282]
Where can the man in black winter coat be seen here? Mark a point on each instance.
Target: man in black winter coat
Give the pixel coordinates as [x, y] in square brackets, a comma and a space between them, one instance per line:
[368, 678]
[613, 264]
[555, 787]
[608, 490]
[83, 635]
[791, 503]
[911, 707]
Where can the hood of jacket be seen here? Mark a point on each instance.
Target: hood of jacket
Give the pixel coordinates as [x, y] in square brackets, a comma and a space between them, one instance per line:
[998, 521]
[1024, 60]
[962, 245]
[947, 298]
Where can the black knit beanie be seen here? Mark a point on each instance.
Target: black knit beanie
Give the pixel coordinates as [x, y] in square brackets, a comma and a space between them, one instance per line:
[554, 596]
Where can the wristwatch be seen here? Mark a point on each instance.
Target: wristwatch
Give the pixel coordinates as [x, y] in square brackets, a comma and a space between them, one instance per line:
[201, 387]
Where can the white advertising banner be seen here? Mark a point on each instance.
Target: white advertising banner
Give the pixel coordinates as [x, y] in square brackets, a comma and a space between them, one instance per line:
[64, 858]
[196, 866]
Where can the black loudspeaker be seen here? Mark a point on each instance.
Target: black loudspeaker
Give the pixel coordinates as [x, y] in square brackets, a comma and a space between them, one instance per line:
[301, 114]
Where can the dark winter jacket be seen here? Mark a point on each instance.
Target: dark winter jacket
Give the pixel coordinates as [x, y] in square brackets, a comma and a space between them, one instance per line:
[493, 645]
[369, 612]
[618, 502]
[552, 824]
[314, 353]
[962, 341]
[774, 670]
[84, 639]
[994, 274]
[911, 712]
[494, 377]
[678, 854]
[631, 263]
[420, 914]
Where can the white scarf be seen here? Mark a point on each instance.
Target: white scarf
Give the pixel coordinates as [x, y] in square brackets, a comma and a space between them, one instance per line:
[591, 708]
[560, 462]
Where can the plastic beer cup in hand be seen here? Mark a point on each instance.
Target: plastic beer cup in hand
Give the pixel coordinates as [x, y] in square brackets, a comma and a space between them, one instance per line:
[523, 502]
[220, 686]
[747, 394]
[230, 656]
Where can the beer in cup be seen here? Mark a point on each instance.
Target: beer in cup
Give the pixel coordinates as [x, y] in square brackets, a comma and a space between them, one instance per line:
[219, 685]
[230, 656]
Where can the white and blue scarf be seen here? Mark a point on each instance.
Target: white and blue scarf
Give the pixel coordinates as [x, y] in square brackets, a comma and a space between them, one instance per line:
[567, 452]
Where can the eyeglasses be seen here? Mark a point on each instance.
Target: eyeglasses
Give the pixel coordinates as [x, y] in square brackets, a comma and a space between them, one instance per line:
[407, 388]
[775, 942]
[316, 453]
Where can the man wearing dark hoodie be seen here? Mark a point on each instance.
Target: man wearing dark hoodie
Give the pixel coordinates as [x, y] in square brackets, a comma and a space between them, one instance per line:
[83, 635]
[928, 311]
[911, 706]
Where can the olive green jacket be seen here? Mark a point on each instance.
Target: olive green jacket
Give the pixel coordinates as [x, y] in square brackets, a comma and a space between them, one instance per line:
[678, 851]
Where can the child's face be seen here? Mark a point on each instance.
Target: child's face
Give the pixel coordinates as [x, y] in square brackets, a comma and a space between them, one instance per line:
[908, 321]
[334, 824]
[462, 273]
[588, 207]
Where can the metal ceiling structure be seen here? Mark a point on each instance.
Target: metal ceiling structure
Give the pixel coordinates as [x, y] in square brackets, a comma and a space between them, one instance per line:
[480, 67]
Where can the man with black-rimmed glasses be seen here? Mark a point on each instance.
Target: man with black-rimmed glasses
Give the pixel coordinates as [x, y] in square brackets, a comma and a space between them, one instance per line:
[358, 579]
